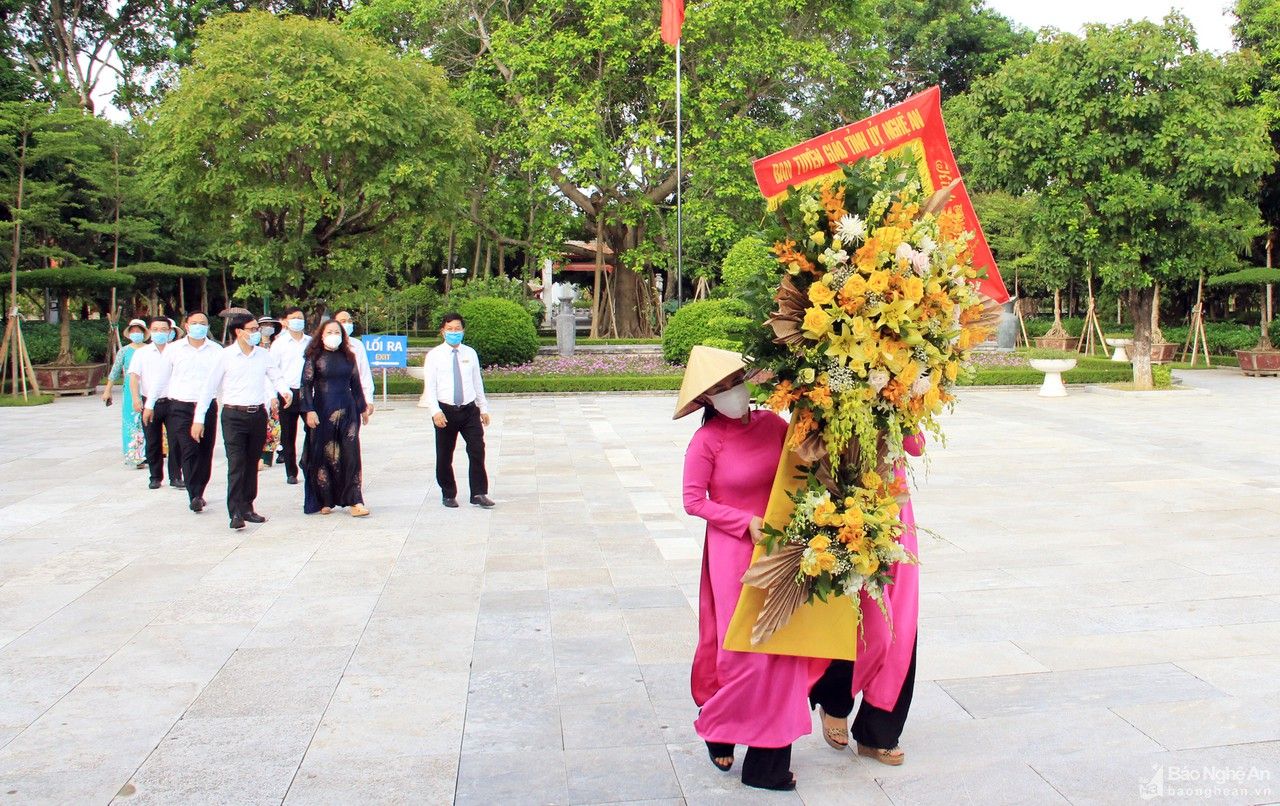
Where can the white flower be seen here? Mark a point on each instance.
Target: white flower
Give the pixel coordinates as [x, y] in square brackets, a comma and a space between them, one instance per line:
[922, 385]
[928, 244]
[851, 229]
[878, 379]
[831, 258]
[904, 251]
[920, 262]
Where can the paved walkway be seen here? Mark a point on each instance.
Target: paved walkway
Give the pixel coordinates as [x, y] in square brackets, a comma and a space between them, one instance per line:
[1101, 611]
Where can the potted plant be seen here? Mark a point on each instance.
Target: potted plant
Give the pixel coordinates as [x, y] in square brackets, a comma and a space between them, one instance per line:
[1052, 363]
[1057, 337]
[1264, 358]
[66, 375]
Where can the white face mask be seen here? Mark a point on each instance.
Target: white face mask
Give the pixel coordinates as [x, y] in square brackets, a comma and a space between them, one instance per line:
[332, 341]
[733, 402]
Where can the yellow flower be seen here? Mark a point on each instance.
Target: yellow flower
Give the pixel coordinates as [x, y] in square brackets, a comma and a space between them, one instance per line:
[889, 238]
[821, 294]
[818, 237]
[823, 512]
[913, 289]
[871, 480]
[879, 282]
[816, 323]
[820, 543]
[809, 563]
[827, 561]
[865, 564]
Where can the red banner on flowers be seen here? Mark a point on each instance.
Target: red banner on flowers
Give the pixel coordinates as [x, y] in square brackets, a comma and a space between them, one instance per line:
[914, 126]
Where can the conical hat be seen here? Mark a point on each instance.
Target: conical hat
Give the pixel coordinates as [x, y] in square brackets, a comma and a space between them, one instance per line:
[707, 367]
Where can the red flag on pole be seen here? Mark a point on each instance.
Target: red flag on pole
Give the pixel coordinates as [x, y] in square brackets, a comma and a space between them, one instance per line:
[672, 20]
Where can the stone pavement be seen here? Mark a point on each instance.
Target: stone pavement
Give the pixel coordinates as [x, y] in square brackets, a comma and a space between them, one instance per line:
[1101, 611]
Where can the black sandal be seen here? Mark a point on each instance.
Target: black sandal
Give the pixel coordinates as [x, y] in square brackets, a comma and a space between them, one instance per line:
[720, 750]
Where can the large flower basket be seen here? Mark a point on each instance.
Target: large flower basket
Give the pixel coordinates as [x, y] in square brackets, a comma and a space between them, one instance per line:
[1259, 362]
[73, 379]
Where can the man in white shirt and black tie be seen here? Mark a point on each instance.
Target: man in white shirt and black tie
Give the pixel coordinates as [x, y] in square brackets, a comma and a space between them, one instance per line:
[241, 380]
[190, 362]
[149, 369]
[455, 398]
[362, 358]
[288, 350]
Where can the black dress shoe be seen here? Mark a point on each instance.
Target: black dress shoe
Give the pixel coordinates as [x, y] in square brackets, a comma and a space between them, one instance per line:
[290, 479]
[451, 503]
[197, 504]
[482, 501]
[237, 523]
[178, 485]
[155, 484]
[253, 517]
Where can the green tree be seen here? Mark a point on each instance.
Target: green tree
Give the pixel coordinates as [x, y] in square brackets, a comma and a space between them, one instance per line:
[579, 95]
[68, 46]
[297, 145]
[1146, 160]
[944, 42]
[1257, 28]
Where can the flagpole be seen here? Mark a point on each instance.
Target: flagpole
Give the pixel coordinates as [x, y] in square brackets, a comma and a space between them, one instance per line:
[679, 183]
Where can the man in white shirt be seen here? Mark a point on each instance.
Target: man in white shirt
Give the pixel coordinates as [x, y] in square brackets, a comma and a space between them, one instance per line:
[149, 368]
[288, 349]
[362, 358]
[189, 363]
[241, 379]
[455, 398]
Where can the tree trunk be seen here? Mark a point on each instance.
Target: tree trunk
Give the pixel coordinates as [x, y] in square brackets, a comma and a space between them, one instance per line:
[1057, 331]
[1140, 304]
[448, 263]
[595, 292]
[475, 258]
[64, 330]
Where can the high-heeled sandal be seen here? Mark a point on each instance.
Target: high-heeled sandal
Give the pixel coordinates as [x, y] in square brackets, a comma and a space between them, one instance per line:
[831, 734]
[718, 750]
[893, 757]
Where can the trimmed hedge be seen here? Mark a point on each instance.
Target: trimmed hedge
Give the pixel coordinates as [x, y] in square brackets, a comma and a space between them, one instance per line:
[1030, 377]
[699, 322]
[745, 261]
[498, 384]
[500, 330]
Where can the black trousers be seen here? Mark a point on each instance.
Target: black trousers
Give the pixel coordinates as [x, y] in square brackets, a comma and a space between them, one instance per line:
[196, 457]
[154, 436]
[463, 420]
[873, 727]
[289, 417]
[762, 766]
[243, 433]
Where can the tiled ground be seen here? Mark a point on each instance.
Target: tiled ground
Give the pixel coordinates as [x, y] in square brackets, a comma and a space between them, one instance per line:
[1101, 611]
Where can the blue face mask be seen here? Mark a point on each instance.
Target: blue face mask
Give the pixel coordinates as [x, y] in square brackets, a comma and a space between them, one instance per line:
[198, 332]
[255, 338]
[453, 338]
[297, 325]
[137, 338]
[160, 337]
[348, 327]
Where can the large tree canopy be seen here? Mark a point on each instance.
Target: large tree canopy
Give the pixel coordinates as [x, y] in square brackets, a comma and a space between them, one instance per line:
[1146, 161]
[1257, 28]
[579, 94]
[944, 42]
[298, 144]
